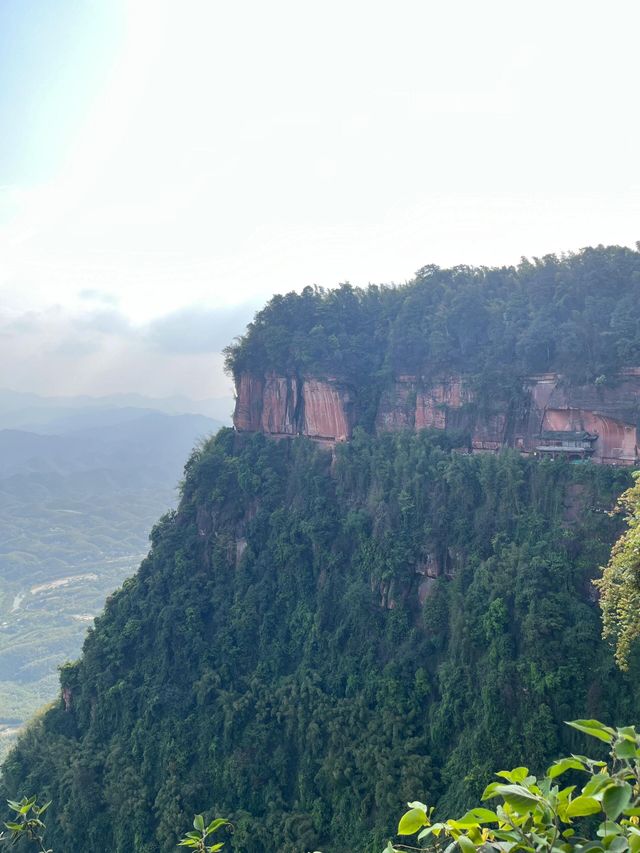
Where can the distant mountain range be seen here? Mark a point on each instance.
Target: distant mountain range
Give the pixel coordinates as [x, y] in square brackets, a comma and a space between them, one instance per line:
[82, 481]
[36, 413]
[148, 439]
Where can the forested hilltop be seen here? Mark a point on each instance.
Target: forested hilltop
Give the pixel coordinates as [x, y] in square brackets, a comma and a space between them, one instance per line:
[308, 645]
[318, 636]
[578, 314]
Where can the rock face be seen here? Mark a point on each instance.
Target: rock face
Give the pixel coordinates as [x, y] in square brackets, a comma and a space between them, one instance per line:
[444, 404]
[441, 405]
[248, 411]
[279, 405]
[289, 405]
[328, 410]
[552, 416]
[397, 407]
[610, 413]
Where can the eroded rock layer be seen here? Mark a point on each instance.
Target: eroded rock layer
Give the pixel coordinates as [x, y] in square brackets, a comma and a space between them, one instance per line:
[328, 410]
[288, 405]
[279, 405]
[550, 417]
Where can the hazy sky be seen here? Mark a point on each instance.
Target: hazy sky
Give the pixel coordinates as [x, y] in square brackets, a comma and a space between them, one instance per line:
[166, 166]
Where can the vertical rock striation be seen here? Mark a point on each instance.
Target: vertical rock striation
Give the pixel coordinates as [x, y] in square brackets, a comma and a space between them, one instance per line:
[549, 410]
[248, 410]
[288, 405]
[279, 405]
[328, 410]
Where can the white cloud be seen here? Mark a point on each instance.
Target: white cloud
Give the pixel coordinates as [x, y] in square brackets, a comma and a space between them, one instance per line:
[239, 150]
[99, 351]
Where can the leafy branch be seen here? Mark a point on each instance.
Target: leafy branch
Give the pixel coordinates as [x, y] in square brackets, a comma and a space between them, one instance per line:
[198, 838]
[538, 815]
[27, 823]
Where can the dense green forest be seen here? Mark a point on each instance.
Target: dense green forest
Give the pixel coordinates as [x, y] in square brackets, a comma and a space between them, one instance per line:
[317, 637]
[579, 314]
[271, 661]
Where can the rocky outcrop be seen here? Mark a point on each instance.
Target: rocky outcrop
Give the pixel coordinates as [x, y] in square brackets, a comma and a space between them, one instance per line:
[441, 404]
[67, 698]
[548, 409]
[248, 412]
[290, 405]
[397, 407]
[610, 412]
[444, 404]
[329, 410]
[280, 399]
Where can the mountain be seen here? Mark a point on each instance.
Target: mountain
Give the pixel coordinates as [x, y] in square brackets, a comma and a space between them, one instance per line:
[75, 512]
[140, 440]
[326, 629]
[56, 415]
[543, 358]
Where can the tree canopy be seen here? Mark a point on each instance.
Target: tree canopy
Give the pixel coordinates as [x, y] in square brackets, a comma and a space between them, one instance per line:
[578, 314]
[309, 644]
[620, 582]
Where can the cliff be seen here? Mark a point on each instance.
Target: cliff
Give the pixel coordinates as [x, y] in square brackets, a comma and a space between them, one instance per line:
[535, 357]
[288, 405]
[550, 416]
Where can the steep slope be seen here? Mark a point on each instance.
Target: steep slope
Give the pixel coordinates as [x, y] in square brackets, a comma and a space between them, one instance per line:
[312, 642]
[365, 613]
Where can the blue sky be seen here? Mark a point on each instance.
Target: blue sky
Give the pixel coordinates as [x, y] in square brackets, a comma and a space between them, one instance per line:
[167, 166]
[54, 59]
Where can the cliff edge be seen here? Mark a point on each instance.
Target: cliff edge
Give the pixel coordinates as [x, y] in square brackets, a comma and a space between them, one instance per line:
[551, 416]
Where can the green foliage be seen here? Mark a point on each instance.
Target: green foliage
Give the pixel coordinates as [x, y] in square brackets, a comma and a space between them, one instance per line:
[272, 654]
[540, 815]
[620, 582]
[579, 314]
[197, 840]
[27, 826]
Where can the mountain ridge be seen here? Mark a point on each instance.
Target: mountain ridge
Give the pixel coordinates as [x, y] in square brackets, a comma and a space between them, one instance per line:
[501, 357]
[316, 638]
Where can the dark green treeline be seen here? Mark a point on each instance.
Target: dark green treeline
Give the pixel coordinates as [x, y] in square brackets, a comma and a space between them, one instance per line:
[271, 661]
[578, 314]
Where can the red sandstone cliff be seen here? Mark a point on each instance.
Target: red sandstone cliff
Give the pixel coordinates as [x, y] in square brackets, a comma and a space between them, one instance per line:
[287, 405]
[248, 412]
[445, 404]
[326, 409]
[609, 412]
[279, 405]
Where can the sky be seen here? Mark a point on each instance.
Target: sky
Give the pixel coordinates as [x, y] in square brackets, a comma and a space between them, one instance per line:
[165, 167]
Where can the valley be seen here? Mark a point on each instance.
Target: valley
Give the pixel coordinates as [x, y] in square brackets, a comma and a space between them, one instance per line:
[77, 504]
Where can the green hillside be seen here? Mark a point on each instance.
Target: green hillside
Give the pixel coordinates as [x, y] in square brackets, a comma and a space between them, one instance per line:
[318, 636]
[271, 660]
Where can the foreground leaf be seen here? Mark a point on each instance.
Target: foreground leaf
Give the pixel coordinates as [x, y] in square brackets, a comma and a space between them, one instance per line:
[412, 821]
[594, 728]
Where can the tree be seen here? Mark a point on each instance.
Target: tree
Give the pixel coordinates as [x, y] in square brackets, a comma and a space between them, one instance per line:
[620, 582]
[27, 824]
[540, 815]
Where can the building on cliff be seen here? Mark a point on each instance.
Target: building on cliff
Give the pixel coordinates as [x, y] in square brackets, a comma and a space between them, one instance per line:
[566, 444]
[551, 416]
